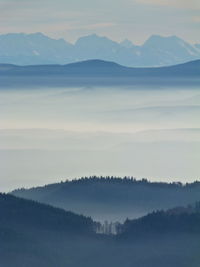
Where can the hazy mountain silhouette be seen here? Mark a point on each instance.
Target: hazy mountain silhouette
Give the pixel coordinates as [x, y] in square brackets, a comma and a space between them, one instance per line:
[167, 50]
[99, 68]
[113, 198]
[33, 234]
[29, 49]
[26, 49]
[197, 46]
[127, 43]
[99, 73]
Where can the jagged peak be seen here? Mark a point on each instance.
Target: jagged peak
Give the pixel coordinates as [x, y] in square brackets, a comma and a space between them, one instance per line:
[155, 38]
[93, 37]
[127, 43]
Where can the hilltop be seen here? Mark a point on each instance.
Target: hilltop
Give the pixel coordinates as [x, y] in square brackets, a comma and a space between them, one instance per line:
[34, 234]
[113, 198]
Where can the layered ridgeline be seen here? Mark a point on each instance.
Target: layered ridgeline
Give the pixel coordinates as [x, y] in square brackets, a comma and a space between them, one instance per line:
[98, 72]
[113, 198]
[33, 234]
[182, 219]
[29, 49]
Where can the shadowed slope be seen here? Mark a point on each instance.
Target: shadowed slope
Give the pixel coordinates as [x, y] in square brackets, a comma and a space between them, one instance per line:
[32, 234]
[113, 198]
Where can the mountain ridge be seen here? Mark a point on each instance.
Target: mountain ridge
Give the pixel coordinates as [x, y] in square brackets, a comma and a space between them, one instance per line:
[33, 234]
[95, 196]
[98, 73]
[37, 48]
[96, 65]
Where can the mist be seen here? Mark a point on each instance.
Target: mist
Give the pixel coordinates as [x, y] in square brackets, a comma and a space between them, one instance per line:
[48, 135]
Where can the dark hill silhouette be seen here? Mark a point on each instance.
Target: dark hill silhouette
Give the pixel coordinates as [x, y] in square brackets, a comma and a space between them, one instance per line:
[33, 234]
[43, 216]
[113, 198]
[102, 68]
[180, 220]
[97, 72]
[166, 236]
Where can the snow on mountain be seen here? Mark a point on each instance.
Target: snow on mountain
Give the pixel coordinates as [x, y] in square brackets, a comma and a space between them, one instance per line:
[37, 48]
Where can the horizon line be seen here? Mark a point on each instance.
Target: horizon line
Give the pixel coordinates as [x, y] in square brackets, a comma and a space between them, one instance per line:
[99, 36]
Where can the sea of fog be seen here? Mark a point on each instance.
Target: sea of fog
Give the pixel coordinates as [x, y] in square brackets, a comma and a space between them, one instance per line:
[49, 135]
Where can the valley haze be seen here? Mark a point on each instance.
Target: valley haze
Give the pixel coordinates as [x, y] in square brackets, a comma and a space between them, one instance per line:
[99, 133]
[59, 133]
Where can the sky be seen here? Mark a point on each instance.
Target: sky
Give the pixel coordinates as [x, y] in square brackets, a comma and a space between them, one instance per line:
[116, 19]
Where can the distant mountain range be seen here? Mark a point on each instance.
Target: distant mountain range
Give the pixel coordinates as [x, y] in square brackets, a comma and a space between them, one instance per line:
[100, 68]
[98, 73]
[34, 234]
[35, 49]
[113, 198]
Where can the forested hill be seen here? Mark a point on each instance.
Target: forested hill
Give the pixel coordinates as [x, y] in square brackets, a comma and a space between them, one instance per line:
[33, 234]
[113, 198]
[179, 220]
[23, 213]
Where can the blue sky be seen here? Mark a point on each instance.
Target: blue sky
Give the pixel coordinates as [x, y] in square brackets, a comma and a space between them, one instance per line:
[117, 19]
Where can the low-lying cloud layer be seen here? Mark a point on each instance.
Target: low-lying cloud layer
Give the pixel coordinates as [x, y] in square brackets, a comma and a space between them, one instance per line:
[49, 135]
